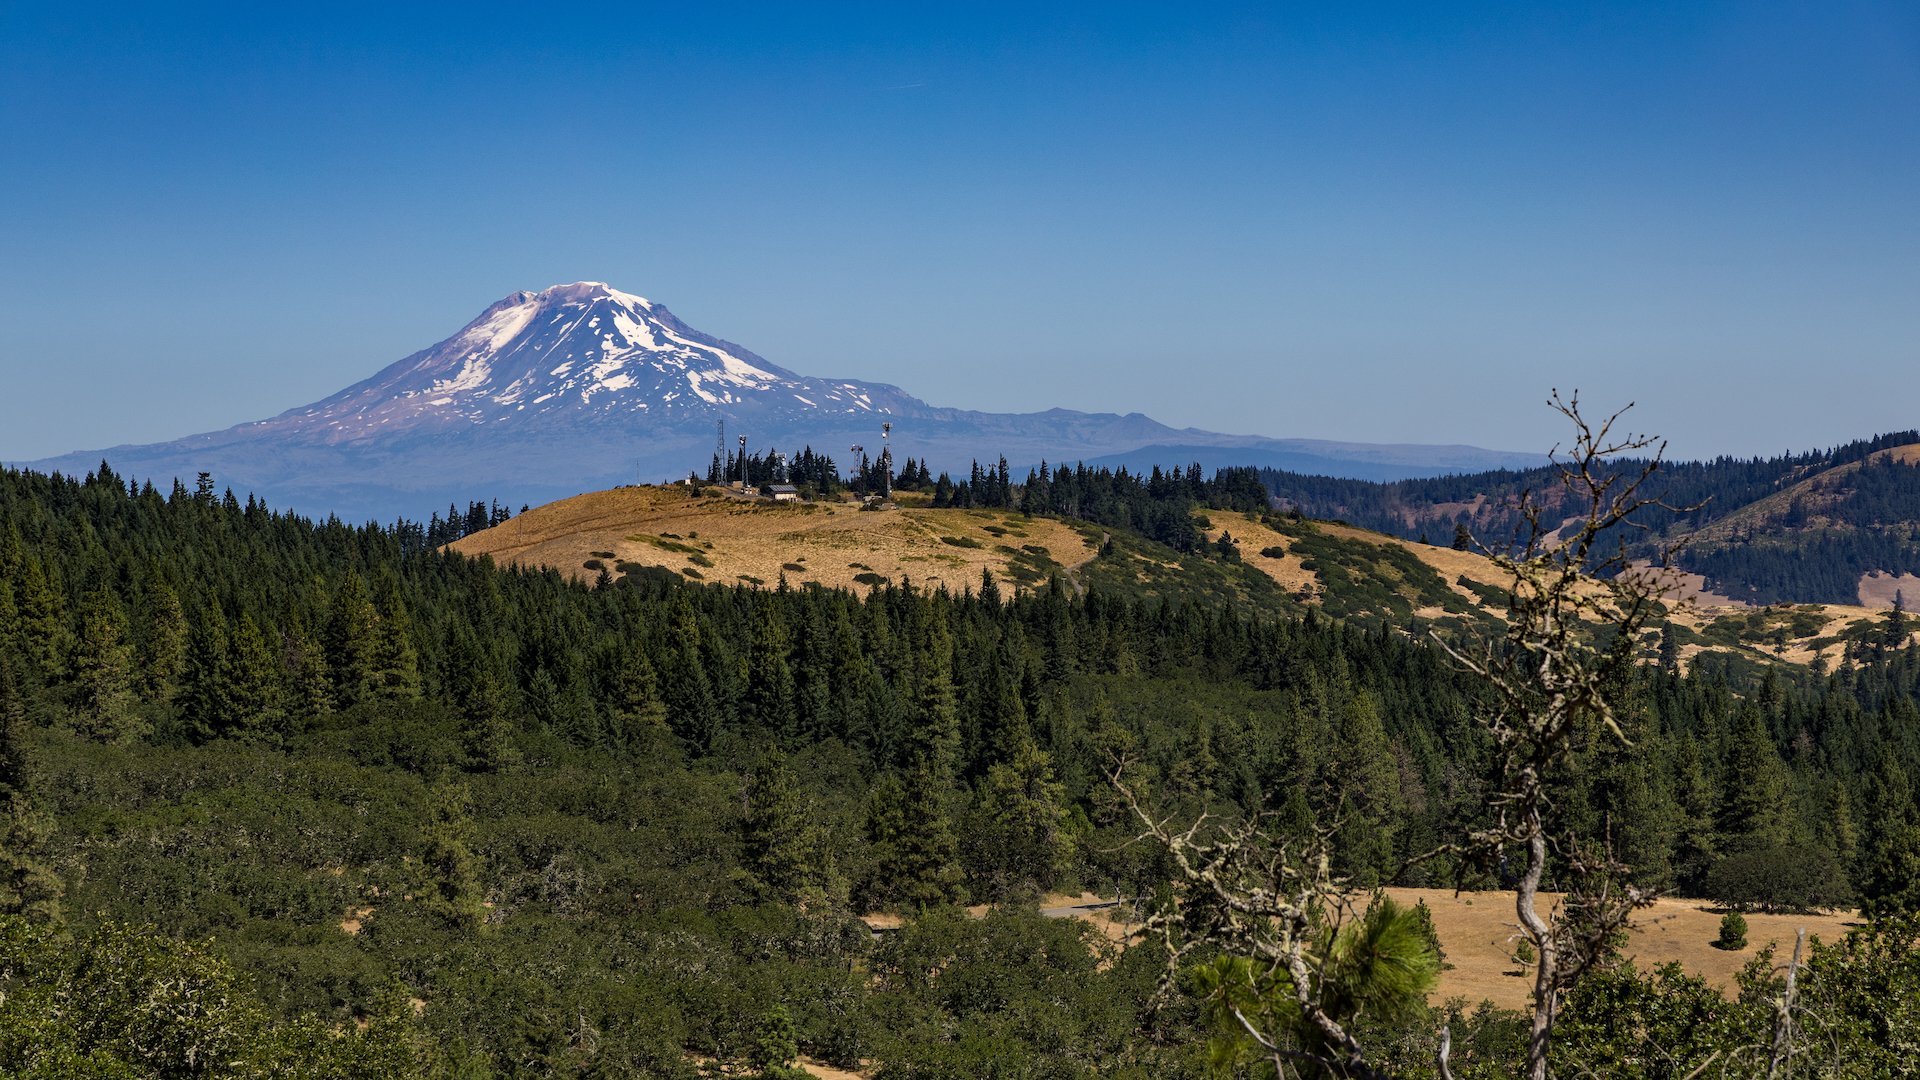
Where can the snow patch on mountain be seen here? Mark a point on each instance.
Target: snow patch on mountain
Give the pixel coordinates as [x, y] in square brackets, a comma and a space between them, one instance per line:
[584, 345]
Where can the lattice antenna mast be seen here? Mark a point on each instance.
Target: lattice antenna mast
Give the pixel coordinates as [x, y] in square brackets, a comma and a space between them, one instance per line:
[720, 452]
[886, 459]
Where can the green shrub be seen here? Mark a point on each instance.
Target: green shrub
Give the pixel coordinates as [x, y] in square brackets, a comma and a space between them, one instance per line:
[1796, 878]
[1733, 932]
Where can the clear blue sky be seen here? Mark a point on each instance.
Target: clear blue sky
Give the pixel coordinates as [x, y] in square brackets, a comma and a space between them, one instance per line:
[1346, 221]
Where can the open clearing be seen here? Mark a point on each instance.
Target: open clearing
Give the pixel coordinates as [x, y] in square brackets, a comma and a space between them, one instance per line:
[728, 540]
[1477, 932]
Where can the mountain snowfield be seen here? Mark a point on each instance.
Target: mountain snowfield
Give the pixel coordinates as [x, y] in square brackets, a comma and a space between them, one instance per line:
[582, 386]
[583, 352]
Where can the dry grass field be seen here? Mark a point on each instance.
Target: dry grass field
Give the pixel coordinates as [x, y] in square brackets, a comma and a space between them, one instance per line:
[1477, 933]
[728, 540]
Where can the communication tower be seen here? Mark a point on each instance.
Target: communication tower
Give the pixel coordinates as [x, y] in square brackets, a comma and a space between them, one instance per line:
[743, 458]
[886, 460]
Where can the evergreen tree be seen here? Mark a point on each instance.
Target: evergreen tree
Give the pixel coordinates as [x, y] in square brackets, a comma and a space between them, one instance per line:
[309, 683]
[1669, 649]
[256, 694]
[349, 641]
[814, 712]
[634, 704]
[28, 885]
[768, 704]
[394, 659]
[776, 1048]
[693, 711]
[480, 700]
[935, 739]
[447, 883]
[1755, 791]
[103, 669]
[1021, 841]
[162, 640]
[10, 632]
[207, 701]
[1366, 776]
[42, 621]
[777, 835]
[914, 850]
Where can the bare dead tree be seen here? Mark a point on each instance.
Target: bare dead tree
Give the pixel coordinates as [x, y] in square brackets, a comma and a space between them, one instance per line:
[1551, 673]
[1274, 904]
[1780, 1061]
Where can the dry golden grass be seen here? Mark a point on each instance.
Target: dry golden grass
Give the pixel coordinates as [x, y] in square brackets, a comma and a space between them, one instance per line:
[1477, 931]
[728, 540]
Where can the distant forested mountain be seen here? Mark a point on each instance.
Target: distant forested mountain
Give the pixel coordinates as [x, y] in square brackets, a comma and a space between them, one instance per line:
[1796, 528]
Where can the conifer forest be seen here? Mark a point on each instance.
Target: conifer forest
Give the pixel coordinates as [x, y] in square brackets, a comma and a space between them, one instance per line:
[293, 798]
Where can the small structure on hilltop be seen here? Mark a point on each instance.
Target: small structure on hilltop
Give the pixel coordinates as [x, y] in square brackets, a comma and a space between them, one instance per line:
[783, 493]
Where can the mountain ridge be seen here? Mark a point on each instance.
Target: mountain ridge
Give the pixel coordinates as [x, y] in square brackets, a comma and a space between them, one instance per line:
[582, 386]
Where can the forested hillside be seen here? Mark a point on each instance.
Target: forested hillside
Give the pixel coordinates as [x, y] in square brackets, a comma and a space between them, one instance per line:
[1852, 516]
[520, 826]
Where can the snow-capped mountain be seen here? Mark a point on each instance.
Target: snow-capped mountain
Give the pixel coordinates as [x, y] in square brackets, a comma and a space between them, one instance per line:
[587, 353]
[582, 386]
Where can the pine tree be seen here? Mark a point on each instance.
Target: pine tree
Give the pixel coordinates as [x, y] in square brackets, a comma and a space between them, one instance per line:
[779, 842]
[163, 640]
[1366, 777]
[10, 631]
[693, 710]
[915, 853]
[1669, 649]
[634, 704]
[448, 881]
[814, 712]
[1022, 842]
[935, 740]
[768, 705]
[480, 699]
[1002, 714]
[257, 692]
[42, 620]
[103, 669]
[395, 660]
[1696, 843]
[1755, 790]
[775, 1048]
[349, 641]
[309, 683]
[28, 885]
[207, 700]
